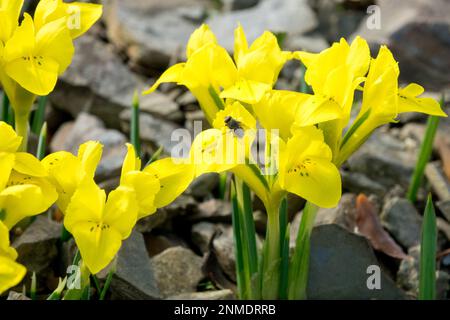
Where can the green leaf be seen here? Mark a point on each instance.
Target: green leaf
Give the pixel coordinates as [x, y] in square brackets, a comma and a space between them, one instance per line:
[39, 116]
[42, 143]
[424, 156]
[354, 127]
[427, 278]
[134, 130]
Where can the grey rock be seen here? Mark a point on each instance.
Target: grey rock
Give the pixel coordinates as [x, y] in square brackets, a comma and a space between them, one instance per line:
[402, 221]
[412, 29]
[87, 127]
[155, 132]
[37, 247]
[201, 187]
[223, 245]
[205, 295]
[157, 243]
[178, 270]
[444, 207]
[358, 182]
[438, 181]
[17, 296]
[238, 4]
[213, 210]
[408, 276]
[202, 234]
[150, 32]
[183, 205]
[294, 17]
[385, 159]
[338, 267]
[344, 214]
[83, 87]
[135, 277]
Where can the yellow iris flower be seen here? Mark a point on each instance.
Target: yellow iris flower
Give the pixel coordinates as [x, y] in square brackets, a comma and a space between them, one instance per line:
[227, 144]
[144, 184]
[11, 272]
[383, 101]
[67, 171]
[99, 224]
[24, 187]
[211, 75]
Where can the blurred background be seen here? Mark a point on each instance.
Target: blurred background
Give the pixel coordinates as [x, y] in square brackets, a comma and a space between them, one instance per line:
[137, 40]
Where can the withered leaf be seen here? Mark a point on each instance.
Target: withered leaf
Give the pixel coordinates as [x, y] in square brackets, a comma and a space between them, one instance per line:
[369, 226]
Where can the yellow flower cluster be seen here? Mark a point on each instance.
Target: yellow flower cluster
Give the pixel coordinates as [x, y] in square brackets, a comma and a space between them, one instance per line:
[237, 93]
[34, 53]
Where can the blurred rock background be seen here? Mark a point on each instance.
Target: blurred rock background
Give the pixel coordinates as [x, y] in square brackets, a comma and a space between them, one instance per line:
[189, 243]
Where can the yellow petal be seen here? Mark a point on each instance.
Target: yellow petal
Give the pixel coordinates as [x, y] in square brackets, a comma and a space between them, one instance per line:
[173, 74]
[28, 164]
[199, 38]
[87, 204]
[98, 244]
[121, 210]
[410, 102]
[10, 141]
[131, 162]
[174, 175]
[65, 174]
[89, 155]
[53, 43]
[11, 273]
[6, 165]
[145, 186]
[306, 168]
[240, 43]
[5, 249]
[247, 91]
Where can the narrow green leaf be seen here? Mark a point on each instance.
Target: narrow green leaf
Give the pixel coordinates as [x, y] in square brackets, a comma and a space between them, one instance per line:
[5, 108]
[33, 294]
[284, 242]
[134, 130]
[155, 156]
[299, 266]
[39, 116]
[42, 143]
[427, 278]
[107, 284]
[223, 185]
[304, 87]
[424, 156]
[240, 274]
[354, 127]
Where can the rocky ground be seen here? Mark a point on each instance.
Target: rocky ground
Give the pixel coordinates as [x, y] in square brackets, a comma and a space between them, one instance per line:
[185, 251]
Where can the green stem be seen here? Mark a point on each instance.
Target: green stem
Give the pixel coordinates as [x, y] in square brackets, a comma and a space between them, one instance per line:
[299, 268]
[107, 284]
[22, 130]
[272, 255]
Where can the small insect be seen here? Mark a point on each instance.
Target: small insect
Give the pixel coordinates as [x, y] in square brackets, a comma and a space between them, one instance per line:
[234, 125]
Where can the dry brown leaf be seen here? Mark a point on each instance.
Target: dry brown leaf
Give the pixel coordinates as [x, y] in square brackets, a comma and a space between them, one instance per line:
[443, 147]
[369, 226]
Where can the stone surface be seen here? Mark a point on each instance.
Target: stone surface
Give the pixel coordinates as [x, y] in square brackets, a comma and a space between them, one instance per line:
[358, 182]
[402, 221]
[151, 32]
[338, 267]
[37, 248]
[344, 214]
[155, 132]
[87, 127]
[135, 277]
[223, 246]
[178, 270]
[438, 181]
[385, 159]
[203, 186]
[213, 210]
[202, 234]
[412, 29]
[205, 295]
[408, 276]
[294, 17]
[17, 296]
[99, 82]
